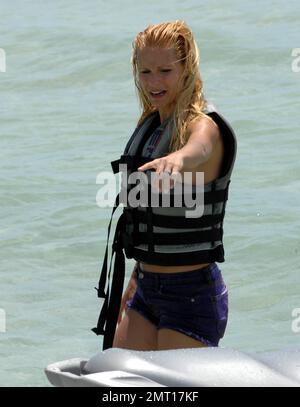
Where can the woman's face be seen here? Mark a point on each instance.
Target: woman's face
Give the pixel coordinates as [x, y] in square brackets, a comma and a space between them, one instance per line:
[159, 71]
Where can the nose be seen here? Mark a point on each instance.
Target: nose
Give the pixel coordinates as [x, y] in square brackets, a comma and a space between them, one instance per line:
[153, 82]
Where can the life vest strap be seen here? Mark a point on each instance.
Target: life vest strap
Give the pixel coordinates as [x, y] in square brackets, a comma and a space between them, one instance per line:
[180, 238]
[111, 306]
[177, 222]
[154, 198]
[132, 162]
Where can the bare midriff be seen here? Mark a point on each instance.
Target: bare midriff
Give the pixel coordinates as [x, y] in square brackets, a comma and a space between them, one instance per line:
[170, 269]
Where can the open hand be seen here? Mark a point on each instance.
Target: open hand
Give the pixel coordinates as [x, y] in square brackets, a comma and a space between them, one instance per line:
[170, 165]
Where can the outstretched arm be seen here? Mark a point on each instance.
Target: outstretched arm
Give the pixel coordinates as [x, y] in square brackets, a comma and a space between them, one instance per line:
[204, 134]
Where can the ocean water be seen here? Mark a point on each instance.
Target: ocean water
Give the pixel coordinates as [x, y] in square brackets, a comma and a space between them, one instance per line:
[67, 108]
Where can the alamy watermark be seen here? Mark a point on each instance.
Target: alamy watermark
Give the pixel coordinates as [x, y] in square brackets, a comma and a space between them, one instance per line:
[296, 320]
[2, 60]
[296, 61]
[2, 320]
[135, 190]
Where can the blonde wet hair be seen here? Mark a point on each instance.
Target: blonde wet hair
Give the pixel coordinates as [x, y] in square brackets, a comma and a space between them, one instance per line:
[190, 101]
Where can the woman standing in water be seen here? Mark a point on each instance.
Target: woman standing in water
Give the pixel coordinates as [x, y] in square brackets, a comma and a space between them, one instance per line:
[176, 296]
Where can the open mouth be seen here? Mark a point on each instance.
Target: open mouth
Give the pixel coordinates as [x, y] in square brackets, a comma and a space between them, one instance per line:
[158, 94]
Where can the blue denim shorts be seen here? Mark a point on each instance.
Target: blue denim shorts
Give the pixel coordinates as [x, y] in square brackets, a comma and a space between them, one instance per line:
[194, 302]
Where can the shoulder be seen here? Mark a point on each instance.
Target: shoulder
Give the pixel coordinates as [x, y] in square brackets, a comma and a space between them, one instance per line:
[204, 127]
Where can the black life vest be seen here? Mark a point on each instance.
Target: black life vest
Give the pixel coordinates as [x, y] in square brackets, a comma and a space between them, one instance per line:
[160, 235]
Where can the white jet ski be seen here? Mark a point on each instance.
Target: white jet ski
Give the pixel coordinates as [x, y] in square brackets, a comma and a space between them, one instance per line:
[195, 367]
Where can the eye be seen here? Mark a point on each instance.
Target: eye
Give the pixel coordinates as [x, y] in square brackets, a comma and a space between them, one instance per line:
[163, 70]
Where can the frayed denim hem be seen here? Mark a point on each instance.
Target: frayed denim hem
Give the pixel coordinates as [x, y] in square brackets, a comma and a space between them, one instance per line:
[192, 335]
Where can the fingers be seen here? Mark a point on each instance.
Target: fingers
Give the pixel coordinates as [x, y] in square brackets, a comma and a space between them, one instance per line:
[163, 170]
[159, 164]
[151, 164]
[169, 169]
[175, 177]
[166, 179]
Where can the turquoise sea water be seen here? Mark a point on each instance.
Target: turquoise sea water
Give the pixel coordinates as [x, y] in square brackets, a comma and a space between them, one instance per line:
[67, 108]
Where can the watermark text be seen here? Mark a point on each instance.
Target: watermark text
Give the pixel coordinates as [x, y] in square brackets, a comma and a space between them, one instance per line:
[139, 189]
[2, 320]
[296, 320]
[2, 60]
[296, 60]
